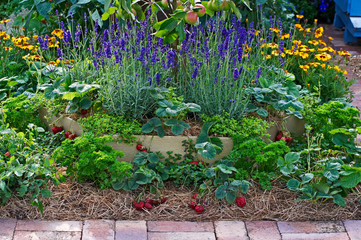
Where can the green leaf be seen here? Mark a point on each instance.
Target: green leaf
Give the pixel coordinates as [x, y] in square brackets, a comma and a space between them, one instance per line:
[85, 103]
[46, 193]
[322, 187]
[166, 26]
[206, 150]
[44, 9]
[105, 16]
[130, 185]
[221, 192]
[161, 112]
[293, 184]
[203, 136]
[147, 128]
[71, 95]
[339, 200]
[236, 10]
[244, 186]
[177, 129]
[307, 178]
[153, 158]
[292, 157]
[192, 107]
[231, 196]
[2, 185]
[22, 190]
[155, 122]
[210, 173]
[262, 112]
[96, 18]
[83, 1]
[331, 175]
[2, 96]
[180, 30]
[351, 180]
[160, 131]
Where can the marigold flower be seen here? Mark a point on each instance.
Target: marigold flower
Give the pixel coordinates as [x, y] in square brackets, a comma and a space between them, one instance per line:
[314, 42]
[344, 53]
[322, 42]
[5, 21]
[323, 56]
[272, 45]
[298, 26]
[322, 49]
[268, 56]
[274, 29]
[299, 16]
[308, 30]
[303, 55]
[319, 32]
[8, 48]
[314, 64]
[298, 42]
[304, 67]
[285, 36]
[330, 38]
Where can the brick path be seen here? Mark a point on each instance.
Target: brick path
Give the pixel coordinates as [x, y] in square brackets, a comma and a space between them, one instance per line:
[162, 230]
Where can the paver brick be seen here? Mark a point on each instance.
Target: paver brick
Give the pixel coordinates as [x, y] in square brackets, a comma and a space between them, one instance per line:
[56, 226]
[315, 236]
[260, 230]
[311, 227]
[7, 227]
[230, 230]
[130, 230]
[173, 226]
[353, 228]
[98, 229]
[35, 235]
[181, 236]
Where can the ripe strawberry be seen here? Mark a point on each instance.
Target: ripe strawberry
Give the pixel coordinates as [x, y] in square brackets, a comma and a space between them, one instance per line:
[163, 200]
[54, 130]
[71, 137]
[193, 204]
[144, 151]
[67, 134]
[83, 111]
[194, 162]
[278, 137]
[148, 201]
[199, 209]
[7, 154]
[194, 196]
[283, 139]
[148, 206]
[139, 147]
[154, 202]
[288, 139]
[60, 129]
[134, 203]
[241, 202]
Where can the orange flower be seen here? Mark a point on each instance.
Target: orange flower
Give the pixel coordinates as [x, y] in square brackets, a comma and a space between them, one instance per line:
[59, 33]
[303, 55]
[276, 30]
[272, 45]
[314, 42]
[330, 38]
[299, 16]
[285, 36]
[5, 21]
[323, 56]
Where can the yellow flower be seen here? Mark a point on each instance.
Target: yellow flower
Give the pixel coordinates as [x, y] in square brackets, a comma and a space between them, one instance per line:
[316, 20]
[323, 65]
[299, 16]
[319, 32]
[6, 36]
[344, 53]
[313, 42]
[59, 33]
[276, 30]
[330, 49]
[314, 64]
[308, 30]
[285, 36]
[298, 42]
[275, 53]
[330, 38]
[35, 37]
[323, 56]
[52, 63]
[322, 49]
[322, 42]
[304, 67]
[5, 21]
[291, 52]
[8, 48]
[272, 45]
[298, 26]
[268, 56]
[303, 55]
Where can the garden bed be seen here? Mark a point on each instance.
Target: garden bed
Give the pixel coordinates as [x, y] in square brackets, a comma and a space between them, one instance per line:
[73, 201]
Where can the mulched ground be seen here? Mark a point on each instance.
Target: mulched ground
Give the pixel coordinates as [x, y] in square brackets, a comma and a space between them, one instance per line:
[73, 201]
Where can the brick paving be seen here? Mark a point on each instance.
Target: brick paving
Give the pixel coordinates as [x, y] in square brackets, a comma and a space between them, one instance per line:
[163, 230]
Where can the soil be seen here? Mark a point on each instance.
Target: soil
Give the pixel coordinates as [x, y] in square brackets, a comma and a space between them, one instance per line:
[73, 201]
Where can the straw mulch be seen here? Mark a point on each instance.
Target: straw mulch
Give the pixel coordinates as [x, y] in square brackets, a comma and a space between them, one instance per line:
[73, 201]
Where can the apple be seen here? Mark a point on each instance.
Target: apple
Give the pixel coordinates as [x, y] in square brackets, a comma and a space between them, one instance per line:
[191, 17]
[165, 4]
[225, 5]
[217, 5]
[201, 11]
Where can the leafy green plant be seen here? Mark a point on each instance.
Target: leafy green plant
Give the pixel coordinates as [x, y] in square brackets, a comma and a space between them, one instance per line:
[19, 111]
[208, 147]
[88, 158]
[103, 124]
[25, 168]
[171, 112]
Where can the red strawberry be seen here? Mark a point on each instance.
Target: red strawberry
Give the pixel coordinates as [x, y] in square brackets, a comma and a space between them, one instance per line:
[67, 134]
[148, 201]
[288, 139]
[134, 203]
[278, 137]
[283, 139]
[241, 202]
[163, 200]
[60, 129]
[193, 204]
[194, 162]
[139, 147]
[154, 202]
[71, 137]
[199, 209]
[148, 206]
[7, 154]
[144, 151]
[54, 129]
[194, 196]
[83, 111]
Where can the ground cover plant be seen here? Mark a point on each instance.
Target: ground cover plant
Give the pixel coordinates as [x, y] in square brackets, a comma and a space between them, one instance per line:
[126, 69]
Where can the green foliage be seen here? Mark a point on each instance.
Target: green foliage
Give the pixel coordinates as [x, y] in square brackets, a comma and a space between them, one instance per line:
[237, 129]
[19, 111]
[208, 147]
[255, 154]
[88, 158]
[104, 124]
[25, 169]
[333, 115]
